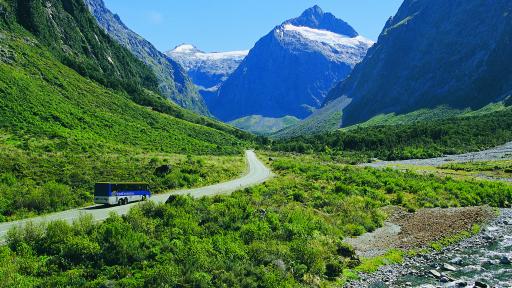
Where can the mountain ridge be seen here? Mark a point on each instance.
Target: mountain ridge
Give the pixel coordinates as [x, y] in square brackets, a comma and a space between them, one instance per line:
[408, 72]
[174, 82]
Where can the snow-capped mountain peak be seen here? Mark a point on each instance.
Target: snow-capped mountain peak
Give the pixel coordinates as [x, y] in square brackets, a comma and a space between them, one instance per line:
[185, 48]
[189, 49]
[291, 69]
[193, 57]
[207, 70]
[316, 18]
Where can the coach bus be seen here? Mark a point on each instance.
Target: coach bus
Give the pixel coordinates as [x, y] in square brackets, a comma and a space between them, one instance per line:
[120, 193]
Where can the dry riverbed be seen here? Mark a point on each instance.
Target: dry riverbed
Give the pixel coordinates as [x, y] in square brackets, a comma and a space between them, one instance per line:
[405, 230]
[483, 260]
[498, 153]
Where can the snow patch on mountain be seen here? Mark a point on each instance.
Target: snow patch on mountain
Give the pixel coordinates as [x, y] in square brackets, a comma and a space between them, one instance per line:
[218, 63]
[328, 37]
[337, 47]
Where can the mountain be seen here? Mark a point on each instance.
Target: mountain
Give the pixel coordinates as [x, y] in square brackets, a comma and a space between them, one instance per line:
[433, 53]
[54, 61]
[291, 69]
[72, 36]
[207, 70]
[173, 80]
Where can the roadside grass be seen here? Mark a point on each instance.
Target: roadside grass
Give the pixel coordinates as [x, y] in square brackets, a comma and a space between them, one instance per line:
[41, 175]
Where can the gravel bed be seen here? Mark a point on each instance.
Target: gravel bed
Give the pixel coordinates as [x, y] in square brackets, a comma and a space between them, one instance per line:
[498, 153]
[483, 260]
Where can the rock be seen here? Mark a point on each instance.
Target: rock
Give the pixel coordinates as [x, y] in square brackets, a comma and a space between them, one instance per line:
[505, 260]
[163, 170]
[487, 236]
[456, 261]
[449, 267]
[435, 273]
[481, 284]
[444, 279]
[461, 284]
[280, 264]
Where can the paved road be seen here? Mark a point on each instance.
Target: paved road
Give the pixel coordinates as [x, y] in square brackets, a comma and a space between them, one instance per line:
[498, 153]
[258, 173]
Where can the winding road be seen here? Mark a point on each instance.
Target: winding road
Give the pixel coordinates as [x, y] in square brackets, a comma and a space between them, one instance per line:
[257, 174]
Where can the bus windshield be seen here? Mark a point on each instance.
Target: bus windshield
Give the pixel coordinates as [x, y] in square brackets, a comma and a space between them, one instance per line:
[102, 189]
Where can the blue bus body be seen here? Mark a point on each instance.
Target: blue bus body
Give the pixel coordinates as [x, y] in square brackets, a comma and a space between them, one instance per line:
[120, 193]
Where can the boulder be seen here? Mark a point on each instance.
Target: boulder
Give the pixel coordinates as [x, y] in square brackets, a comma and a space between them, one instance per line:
[449, 267]
[505, 260]
[456, 261]
[163, 170]
[481, 284]
[435, 273]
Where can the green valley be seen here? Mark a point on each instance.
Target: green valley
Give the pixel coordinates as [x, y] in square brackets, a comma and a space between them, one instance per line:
[85, 100]
[287, 232]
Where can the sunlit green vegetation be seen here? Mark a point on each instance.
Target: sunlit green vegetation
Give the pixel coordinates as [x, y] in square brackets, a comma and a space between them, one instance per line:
[38, 176]
[287, 232]
[417, 140]
[60, 133]
[502, 167]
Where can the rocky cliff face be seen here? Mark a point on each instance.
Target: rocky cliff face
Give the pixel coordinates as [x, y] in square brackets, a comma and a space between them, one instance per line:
[207, 70]
[173, 79]
[291, 70]
[432, 53]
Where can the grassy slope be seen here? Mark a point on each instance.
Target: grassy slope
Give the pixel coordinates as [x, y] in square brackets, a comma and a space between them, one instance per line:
[72, 36]
[61, 132]
[323, 120]
[263, 125]
[42, 97]
[442, 112]
[285, 233]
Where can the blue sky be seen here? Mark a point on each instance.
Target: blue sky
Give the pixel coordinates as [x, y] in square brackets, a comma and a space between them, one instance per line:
[223, 25]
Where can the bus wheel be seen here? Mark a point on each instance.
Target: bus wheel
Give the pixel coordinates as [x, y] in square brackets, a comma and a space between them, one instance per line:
[144, 198]
[125, 201]
[120, 202]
